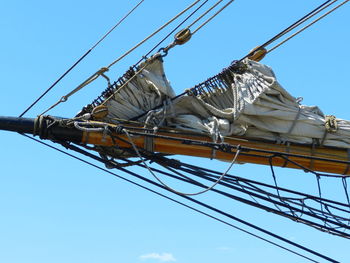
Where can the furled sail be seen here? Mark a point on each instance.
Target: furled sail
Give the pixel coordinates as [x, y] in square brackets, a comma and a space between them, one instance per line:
[245, 99]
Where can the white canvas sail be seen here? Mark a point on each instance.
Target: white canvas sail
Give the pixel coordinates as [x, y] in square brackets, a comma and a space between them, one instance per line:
[246, 100]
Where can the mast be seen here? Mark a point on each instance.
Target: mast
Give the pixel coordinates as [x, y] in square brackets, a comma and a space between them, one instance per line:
[167, 141]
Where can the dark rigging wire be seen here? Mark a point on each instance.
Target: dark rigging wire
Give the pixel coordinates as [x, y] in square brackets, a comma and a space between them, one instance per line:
[153, 34]
[292, 26]
[74, 148]
[163, 161]
[104, 69]
[172, 31]
[271, 40]
[214, 209]
[307, 26]
[81, 58]
[312, 213]
[198, 171]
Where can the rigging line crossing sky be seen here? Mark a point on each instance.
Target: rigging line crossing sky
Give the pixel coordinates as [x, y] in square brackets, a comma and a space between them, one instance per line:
[328, 220]
[104, 69]
[160, 194]
[299, 22]
[172, 31]
[282, 202]
[81, 58]
[97, 74]
[307, 26]
[154, 33]
[203, 205]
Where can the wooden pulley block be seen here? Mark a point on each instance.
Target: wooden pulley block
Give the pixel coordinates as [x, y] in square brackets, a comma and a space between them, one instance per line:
[258, 53]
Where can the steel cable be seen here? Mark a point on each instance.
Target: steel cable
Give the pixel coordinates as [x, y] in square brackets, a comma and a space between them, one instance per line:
[80, 59]
[76, 149]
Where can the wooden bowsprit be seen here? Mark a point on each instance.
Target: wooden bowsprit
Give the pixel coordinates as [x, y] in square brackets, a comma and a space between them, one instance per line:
[306, 157]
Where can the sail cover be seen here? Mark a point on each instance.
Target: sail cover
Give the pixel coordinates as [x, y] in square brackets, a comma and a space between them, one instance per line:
[245, 99]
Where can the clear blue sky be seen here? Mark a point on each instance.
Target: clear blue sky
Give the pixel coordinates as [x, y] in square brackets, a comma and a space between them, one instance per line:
[56, 209]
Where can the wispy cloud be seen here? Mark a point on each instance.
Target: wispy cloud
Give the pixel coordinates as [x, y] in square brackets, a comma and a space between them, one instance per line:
[163, 257]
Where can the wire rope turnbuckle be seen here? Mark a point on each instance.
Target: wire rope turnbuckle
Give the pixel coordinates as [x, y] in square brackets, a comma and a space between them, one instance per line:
[180, 38]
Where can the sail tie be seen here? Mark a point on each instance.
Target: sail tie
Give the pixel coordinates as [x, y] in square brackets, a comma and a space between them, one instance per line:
[294, 122]
[152, 121]
[331, 126]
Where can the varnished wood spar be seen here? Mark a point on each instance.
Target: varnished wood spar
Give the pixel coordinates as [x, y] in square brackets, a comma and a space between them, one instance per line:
[167, 146]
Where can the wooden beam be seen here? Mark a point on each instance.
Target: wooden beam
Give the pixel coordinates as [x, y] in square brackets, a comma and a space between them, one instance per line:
[253, 151]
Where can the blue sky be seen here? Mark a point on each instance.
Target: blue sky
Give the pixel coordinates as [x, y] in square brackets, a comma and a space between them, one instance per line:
[56, 209]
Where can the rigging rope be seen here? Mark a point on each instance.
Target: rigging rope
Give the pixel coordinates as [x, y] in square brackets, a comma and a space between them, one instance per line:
[210, 18]
[312, 212]
[206, 12]
[291, 27]
[224, 147]
[81, 58]
[307, 26]
[154, 33]
[174, 43]
[172, 189]
[172, 31]
[285, 202]
[223, 178]
[187, 29]
[104, 69]
[76, 149]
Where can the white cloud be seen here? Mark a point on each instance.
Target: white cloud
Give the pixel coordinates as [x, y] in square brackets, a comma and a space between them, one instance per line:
[163, 257]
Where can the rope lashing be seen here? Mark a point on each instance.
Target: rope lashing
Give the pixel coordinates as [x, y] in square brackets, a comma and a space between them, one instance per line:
[331, 124]
[90, 127]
